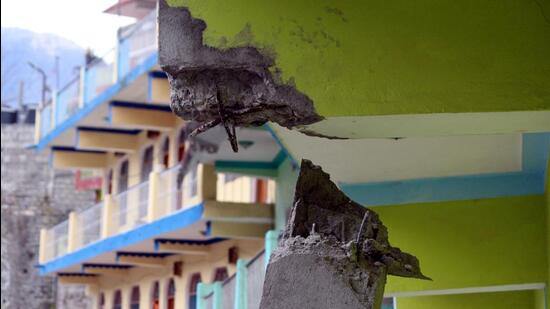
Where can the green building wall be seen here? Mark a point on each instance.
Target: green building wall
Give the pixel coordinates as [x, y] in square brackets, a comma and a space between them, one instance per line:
[500, 300]
[471, 243]
[355, 58]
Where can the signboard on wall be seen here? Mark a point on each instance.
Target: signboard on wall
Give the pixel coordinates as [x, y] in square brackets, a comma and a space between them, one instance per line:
[88, 180]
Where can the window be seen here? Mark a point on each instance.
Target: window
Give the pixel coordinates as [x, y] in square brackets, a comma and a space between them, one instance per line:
[220, 274]
[134, 298]
[101, 301]
[166, 152]
[195, 280]
[171, 294]
[155, 296]
[117, 301]
[261, 191]
[147, 163]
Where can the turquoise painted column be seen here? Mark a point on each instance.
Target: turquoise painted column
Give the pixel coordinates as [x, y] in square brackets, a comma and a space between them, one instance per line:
[217, 289]
[271, 242]
[203, 289]
[240, 285]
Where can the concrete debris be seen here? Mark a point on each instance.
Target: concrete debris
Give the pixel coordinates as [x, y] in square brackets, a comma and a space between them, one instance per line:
[334, 252]
[230, 87]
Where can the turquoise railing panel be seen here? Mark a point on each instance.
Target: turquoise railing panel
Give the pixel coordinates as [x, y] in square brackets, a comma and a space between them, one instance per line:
[240, 285]
[67, 101]
[209, 295]
[45, 120]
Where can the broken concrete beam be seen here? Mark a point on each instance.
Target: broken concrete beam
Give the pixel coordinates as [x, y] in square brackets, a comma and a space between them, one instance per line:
[230, 87]
[334, 252]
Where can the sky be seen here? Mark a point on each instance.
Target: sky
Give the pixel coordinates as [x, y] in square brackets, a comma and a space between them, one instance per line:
[81, 21]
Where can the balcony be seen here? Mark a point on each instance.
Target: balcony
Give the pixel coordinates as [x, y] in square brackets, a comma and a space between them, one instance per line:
[228, 206]
[101, 80]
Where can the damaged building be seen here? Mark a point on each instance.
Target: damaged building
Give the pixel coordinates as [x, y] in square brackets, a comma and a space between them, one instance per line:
[435, 117]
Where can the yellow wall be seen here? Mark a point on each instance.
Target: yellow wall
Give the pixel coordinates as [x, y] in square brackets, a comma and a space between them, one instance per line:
[145, 277]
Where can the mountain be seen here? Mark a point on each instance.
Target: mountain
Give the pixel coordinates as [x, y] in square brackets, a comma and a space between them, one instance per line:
[20, 46]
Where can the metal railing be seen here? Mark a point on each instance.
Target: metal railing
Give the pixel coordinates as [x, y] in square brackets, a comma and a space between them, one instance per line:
[244, 189]
[58, 240]
[255, 275]
[131, 207]
[89, 225]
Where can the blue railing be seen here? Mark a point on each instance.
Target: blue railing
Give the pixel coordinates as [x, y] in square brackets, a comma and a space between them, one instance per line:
[136, 44]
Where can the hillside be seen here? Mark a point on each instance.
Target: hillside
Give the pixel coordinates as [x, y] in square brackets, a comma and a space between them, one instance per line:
[20, 46]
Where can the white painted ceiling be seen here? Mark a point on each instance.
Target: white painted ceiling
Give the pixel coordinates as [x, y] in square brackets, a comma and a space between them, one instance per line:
[375, 160]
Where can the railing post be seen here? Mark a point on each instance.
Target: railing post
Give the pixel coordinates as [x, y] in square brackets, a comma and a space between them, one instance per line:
[207, 182]
[72, 233]
[240, 285]
[271, 242]
[43, 245]
[107, 216]
[153, 205]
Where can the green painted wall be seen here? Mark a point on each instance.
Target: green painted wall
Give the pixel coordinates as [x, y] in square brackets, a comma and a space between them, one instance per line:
[380, 57]
[470, 243]
[501, 300]
[286, 182]
[539, 302]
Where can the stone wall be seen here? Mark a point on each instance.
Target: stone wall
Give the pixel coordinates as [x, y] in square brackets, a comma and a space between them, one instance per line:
[33, 196]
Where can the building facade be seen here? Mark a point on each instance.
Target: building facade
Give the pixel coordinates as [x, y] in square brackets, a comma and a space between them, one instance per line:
[444, 133]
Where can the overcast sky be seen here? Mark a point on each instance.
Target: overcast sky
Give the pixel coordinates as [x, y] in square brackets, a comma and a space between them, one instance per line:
[80, 21]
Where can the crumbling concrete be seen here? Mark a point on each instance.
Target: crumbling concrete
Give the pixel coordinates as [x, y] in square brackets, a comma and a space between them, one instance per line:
[230, 87]
[334, 253]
